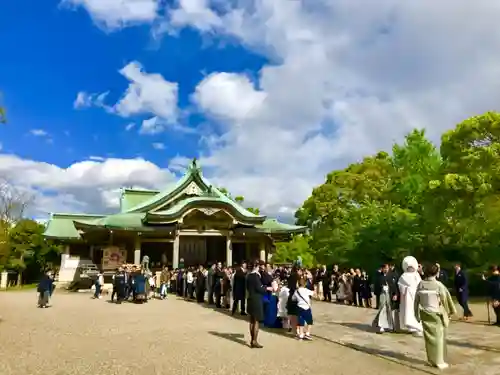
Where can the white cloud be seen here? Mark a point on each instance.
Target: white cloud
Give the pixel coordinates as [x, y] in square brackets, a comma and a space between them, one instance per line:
[147, 93]
[38, 132]
[96, 158]
[86, 100]
[229, 96]
[194, 13]
[156, 125]
[158, 146]
[179, 163]
[151, 126]
[347, 79]
[87, 186]
[116, 14]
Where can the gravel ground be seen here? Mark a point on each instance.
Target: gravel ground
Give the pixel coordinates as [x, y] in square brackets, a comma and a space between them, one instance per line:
[79, 335]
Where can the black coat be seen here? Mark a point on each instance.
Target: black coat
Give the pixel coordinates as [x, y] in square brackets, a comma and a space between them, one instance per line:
[239, 284]
[266, 278]
[256, 291]
[324, 277]
[493, 283]
[46, 284]
[200, 280]
[461, 285]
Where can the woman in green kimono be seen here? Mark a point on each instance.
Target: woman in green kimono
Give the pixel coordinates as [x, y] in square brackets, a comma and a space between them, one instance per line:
[433, 307]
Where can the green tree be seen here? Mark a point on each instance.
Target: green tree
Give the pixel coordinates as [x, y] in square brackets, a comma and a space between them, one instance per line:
[29, 250]
[239, 199]
[288, 252]
[441, 206]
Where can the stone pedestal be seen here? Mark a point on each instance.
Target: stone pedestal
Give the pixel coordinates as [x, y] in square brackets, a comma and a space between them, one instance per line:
[3, 280]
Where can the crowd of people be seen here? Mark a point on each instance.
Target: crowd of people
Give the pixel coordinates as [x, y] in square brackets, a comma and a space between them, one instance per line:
[416, 301]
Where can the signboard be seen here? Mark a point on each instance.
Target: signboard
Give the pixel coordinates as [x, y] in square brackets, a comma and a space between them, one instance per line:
[113, 257]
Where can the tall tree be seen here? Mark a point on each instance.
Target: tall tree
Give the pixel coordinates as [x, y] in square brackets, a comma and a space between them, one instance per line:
[288, 252]
[30, 251]
[238, 199]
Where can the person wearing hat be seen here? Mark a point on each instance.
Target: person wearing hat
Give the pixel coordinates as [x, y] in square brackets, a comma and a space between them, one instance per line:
[255, 305]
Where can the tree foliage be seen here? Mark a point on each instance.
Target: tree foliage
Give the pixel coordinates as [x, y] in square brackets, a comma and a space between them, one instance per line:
[22, 246]
[289, 252]
[239, 199]
[439, 205]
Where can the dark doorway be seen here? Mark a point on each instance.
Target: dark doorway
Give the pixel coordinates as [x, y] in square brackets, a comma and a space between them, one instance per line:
[239, 252]
[216, 249]
[97, 254]
[159, 253]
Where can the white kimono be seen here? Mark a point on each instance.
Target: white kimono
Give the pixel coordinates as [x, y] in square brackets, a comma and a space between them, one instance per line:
[282, 301]
[408, 283]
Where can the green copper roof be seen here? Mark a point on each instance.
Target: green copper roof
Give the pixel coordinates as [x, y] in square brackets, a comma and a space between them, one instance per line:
[174, 212]
[62, 226]
[130, 221]
[138, 207]
[274, 226]
[192, 175]
[131, 198]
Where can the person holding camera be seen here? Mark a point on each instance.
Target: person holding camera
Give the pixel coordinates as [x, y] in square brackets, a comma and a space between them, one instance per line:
[493, 284]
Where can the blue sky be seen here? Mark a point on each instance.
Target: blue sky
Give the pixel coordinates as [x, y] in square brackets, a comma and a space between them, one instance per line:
[59, 52]
[270, 95]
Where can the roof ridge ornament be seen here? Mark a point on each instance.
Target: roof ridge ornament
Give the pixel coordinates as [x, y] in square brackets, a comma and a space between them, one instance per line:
[194, 167]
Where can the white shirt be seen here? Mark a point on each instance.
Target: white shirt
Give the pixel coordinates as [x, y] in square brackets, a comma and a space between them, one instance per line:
[303, 297]
[189, 277]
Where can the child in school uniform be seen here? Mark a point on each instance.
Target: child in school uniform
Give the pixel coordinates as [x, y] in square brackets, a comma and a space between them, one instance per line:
[283, 295]
[305, 319]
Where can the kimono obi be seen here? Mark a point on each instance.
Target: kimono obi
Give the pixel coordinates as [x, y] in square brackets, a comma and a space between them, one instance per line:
[430, 300]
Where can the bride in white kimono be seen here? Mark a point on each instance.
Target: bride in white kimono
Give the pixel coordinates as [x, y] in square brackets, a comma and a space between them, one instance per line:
[408, 283]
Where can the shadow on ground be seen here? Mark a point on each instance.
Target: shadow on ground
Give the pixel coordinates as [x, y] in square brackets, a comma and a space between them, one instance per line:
[277, 331]
[388, 355]
[238, 338]
[468, 345]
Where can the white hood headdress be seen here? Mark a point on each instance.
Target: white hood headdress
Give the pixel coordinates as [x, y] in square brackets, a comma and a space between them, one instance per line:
[408, 262]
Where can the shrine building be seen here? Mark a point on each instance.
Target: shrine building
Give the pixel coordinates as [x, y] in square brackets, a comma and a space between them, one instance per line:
[187, 224]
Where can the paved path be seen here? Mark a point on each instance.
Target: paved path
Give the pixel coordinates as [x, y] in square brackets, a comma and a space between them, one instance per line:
[83, 336]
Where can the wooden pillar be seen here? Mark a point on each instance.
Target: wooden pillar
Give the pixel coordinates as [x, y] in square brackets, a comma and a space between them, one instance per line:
[175, 252]
[137, 250]
[248, 254]
[262, 250]
[229, 251]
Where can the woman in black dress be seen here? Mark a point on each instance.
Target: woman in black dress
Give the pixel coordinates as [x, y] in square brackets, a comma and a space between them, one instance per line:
[291, 305]
[255, 307]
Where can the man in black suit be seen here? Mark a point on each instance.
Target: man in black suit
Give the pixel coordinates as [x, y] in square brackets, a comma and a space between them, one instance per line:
[239, 289]
[217, 284]
[377, 286]
[462, 290]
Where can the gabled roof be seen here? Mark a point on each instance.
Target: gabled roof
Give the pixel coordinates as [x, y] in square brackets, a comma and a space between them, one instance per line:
[61, 226]
[140, 209]
[133, 197]
[206, 191]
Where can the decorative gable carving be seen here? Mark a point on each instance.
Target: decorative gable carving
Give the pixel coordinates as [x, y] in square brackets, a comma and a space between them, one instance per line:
[209, 211]
[192, 189]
